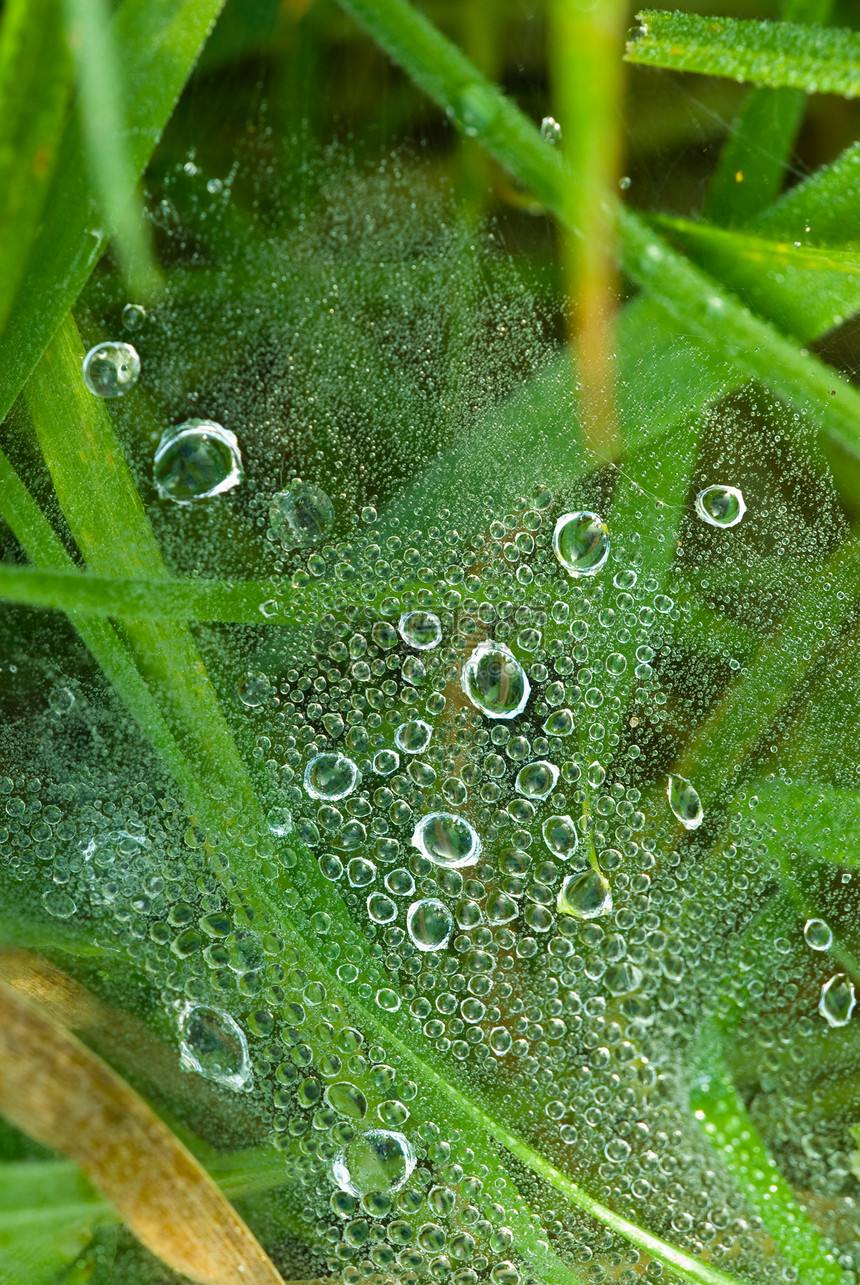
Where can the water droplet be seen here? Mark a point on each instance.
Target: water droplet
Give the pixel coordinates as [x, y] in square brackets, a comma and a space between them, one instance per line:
[197, 460]
[279, 821]
[420, 629]
[413, 671]
[369, 515]
[379, 1160]
[330, 776]
[254, 689]
[837, 1000]
[301, 516]
[585, 896]
[560, 836]
[214, 1045]
[581, 542]
[495, 681]
[429, 924]
[388, 999]
[413, 737]
[385, 762]
[559, 723]
[111, 369]
[59, 904]
[595, 775]
[61, 700]
[684, 802]
[501, 909]
[381, 909]
[537, 780]
[818, 934]
[447, 840]
[550, 130]
[347, 1100]
[133, 316]
[720, 505]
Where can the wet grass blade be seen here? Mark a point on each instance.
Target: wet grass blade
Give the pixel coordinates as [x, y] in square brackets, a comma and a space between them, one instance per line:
[157, 43]
[35, 88]
[777, 54]
[101, 113]
[64, 1096]
[823, 209]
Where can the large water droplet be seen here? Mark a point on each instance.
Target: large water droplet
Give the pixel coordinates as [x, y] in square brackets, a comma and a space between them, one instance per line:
[214, 1045]
[197, 460]
[585, 896]
[537, 780]
[330, 776]
[420, 629]
[379, 1160]
[720, 505]
[837, 1000]
[684, 802]
[301, 516]
[447, 840]
[560, 836]
[818, 934]
[581, 542]
[429, 924]
[111, 369]
[347, 1100]
[413, 737]
[495, 681]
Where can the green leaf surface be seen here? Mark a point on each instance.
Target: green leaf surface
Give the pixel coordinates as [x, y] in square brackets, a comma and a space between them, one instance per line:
[48, 1212]
[157, 43]
[778, 54]
[35, 87]
[823, 209]
[815, 819]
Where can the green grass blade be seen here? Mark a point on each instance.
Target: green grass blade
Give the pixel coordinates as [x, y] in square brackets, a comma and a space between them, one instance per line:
[35, 87]
[101, 113]
[809, 289]
[751, 168]
[700, 305]
[157, 43]
[822, 210]
[817, 61]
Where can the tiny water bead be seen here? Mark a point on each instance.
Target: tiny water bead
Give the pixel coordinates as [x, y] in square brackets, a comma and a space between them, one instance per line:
[214, 1045]
[330, 777]
[254, 689]
[721, 506]
[447, 840]
[378, 1160]
[550, 130]
[420, 629]
[818, 934]
[413, 737]
[536, 780]
[133, 316]
[197, 460]
[429, 923]
[495, 681]
[684, 802]
[837, 1000]
[301, 516]
[585, 896]
[581, 542]
[111, 369]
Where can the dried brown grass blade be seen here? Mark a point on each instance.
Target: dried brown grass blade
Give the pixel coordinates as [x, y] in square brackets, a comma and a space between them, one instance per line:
[63, 1095]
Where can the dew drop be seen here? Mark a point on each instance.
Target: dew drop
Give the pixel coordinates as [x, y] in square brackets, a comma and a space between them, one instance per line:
[536, 780]
[447, 840]
[301, 516]
[133, 316]
[501, 909]
[559, 723]
[279, 821]
[254, 689]
[347, 1100]
[420, 629]
[818, 934]
[550, 130]
[330, 776]
[379, 1160]
[196, 460]
[385, 762]
[720, 505]
[585, 896]
[837, 1000]
[429, 923]
[560, 836]
[495, 681]
[581, 542]
[214, 1045]
[684, 802]
[111, 369]
[59, 904]
[413, 737]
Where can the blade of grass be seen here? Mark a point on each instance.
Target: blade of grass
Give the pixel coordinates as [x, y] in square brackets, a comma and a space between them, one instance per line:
[35, 88]
[817, 61]
[697, 302]
[157, 44]
[101, 113]
[751, 168]
[587, 76]
[62, 1094]
[822, 210]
